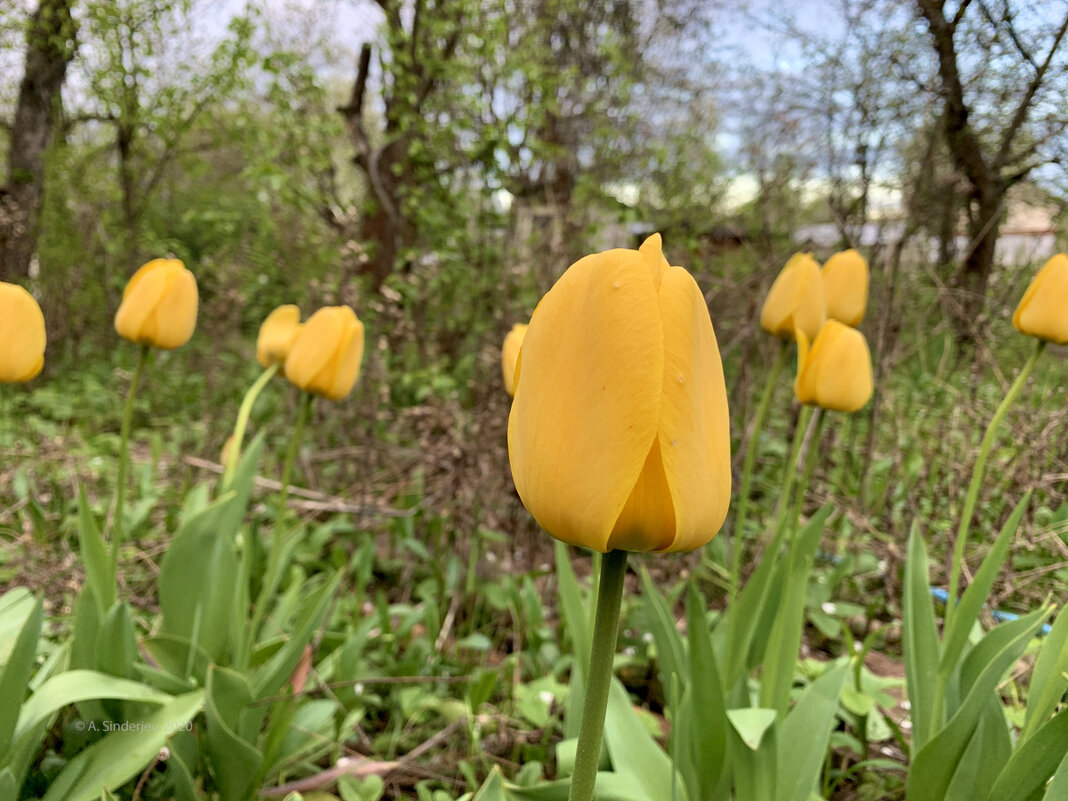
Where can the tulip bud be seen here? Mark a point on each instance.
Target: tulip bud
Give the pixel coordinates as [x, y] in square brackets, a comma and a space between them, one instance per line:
[22, 335]
[277, 335]
[795, 299]
[835, 372]
[845, 286]
[618, 437]
[510, 355]
[325, 359]
[1043, 311]
[159, 305]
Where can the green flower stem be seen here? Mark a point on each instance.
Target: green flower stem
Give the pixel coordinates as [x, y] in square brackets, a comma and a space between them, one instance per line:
[751, 448]
[242, 423]
[271, 576]
[785, 500]
[811, 457]
[124, 457]
[972, 497]
[599, 675]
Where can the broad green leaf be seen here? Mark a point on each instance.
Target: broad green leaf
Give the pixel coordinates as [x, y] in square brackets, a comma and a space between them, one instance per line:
[98, 570]
[279, 668]
[986, 754]
[804, 734]
[933, 765]
[1033, 761]
[920, 642]
[1058, 788]
[635, 755]
[671, 652]
[120, 756]
[15, 675]
[975, 597]
[784, 641]
[574, 614]
[75, 686]
[708, 704]
[117, 642]
[751, 723]
[16, 606]
[610, 787]
[1048, 679]
[197, 579]
[235, 762]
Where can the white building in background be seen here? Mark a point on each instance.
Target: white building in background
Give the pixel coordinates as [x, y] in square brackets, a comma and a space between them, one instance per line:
[1028, 235]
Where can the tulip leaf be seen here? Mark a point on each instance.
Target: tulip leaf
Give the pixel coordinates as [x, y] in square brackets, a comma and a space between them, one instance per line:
[986, 754]
[708, 703]
[751, 723]
[15, 674]
[753, 753]
[1033, 762]
[121, 755]
[635, 755]
[279, 668]
[235, 762]
[805, 733]
[1048, 679]
[934, 764]
[574, 613]
[197, 579]
[1058, 787]
[98, 571]
[75, 686]
[117, 642]
[784, 641]
[671, 653]
[920, 641]
[971, 602]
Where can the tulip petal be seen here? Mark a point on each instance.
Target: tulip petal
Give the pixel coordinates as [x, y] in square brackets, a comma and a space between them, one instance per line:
[588, 397]
[653, 251]
[347, 361]
[1041, 311]
[174, 321]
[139, 301]
[647, 522]
[22, 335]
[694, 430]
[313, 352]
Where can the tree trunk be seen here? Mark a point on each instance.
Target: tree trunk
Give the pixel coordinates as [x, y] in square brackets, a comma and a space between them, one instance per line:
[49, 49]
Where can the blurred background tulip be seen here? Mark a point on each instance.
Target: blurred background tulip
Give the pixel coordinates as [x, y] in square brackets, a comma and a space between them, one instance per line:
[619, 436]
[22, 335]
[510, 355]
[277, 335]
[1043, 311]
[159, 305]
[845, 287]
[795, 300]
[835, 372]
[325, 358]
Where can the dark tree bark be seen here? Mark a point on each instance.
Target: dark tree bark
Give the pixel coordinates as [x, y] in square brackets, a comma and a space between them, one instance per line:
[50, 46]
[417, 68]
[990, 171]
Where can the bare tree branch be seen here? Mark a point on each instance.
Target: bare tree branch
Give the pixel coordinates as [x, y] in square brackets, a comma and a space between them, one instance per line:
[1024, 106]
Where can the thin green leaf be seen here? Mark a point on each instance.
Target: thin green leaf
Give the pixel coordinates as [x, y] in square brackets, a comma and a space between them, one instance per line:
[1048, 679]
[920, 642]
[1033, 762]
[15, 675]
[804, 735]
[95, 554]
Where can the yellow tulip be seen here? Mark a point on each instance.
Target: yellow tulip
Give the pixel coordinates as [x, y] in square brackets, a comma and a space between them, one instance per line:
[159, 305]
[510, 355]
[277, 335]
[1043, 311]
[795, 300]
[845, 285]
[325, 359]
[22, 335]
[619, 437]
[835, 372]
